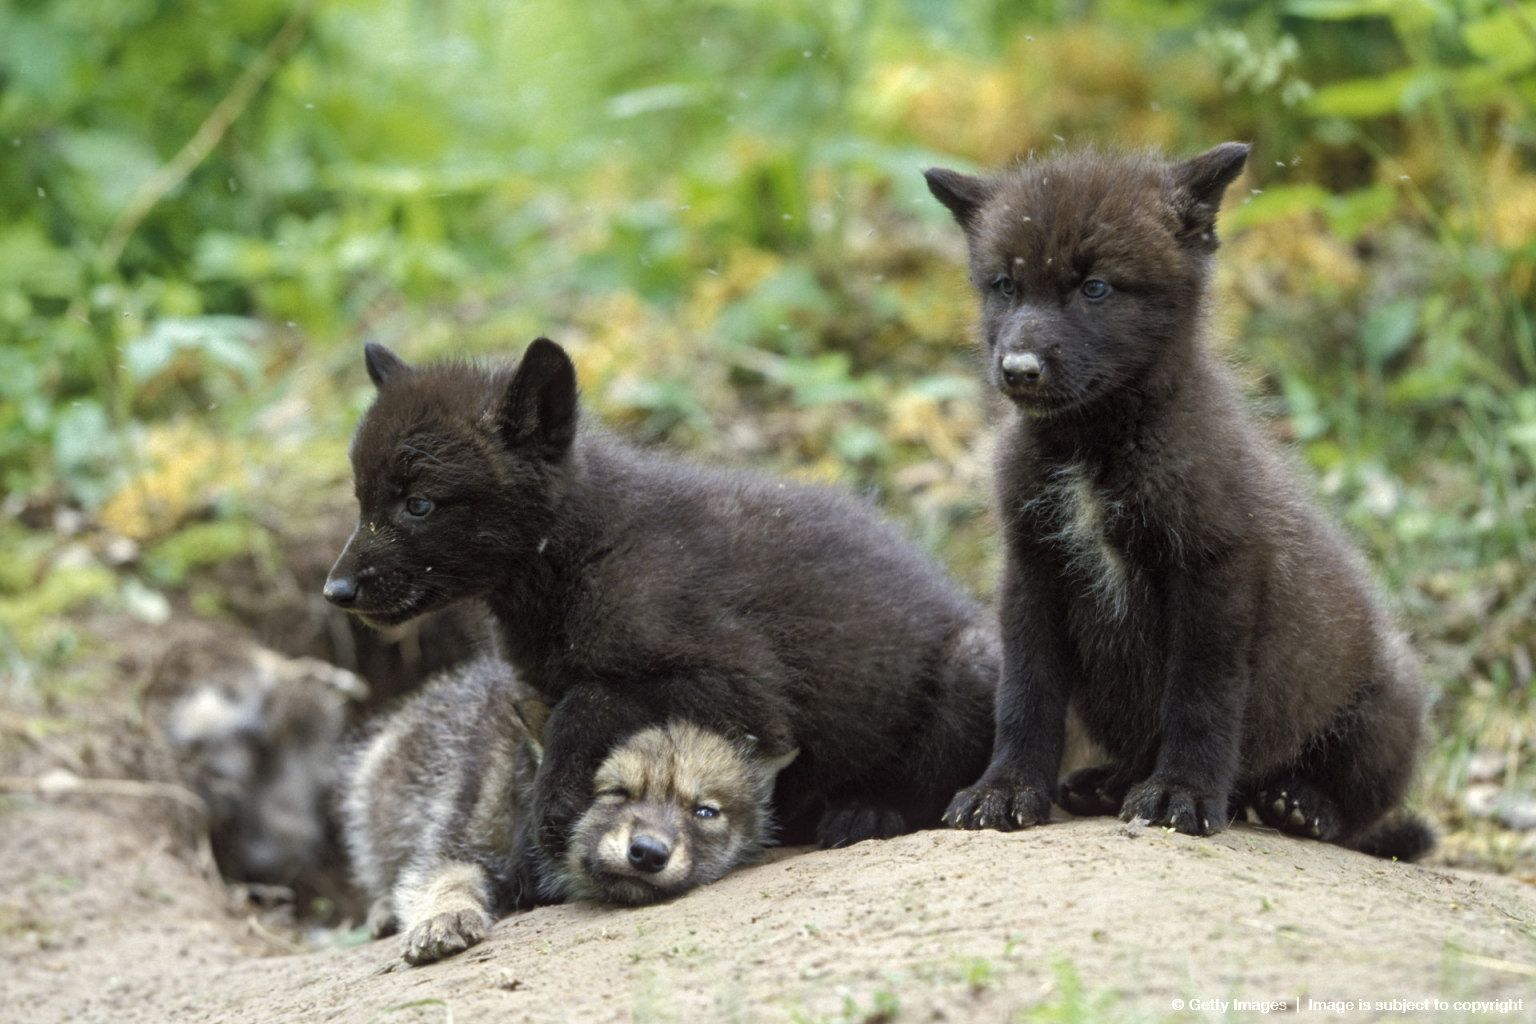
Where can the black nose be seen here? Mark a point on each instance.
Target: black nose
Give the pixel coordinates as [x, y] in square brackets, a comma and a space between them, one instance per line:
[1021, 369]
[648, 854]
[341, 590]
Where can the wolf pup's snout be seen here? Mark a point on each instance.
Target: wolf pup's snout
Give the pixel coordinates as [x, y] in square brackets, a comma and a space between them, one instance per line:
[340, 591]
[648, 854]
[1021, 370]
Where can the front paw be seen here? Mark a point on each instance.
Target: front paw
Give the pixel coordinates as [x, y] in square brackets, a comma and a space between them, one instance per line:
[1003, 804]
[1195, 812]
[443, 935]
[853, 821]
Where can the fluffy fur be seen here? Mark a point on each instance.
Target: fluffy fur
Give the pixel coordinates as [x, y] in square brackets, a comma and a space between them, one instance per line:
[435, 812]
[257, 735]
[434, 808]
[1168, 576]
[676, 807]
[635, 589]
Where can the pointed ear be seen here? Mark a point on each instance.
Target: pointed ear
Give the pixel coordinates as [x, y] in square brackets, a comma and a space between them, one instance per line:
[539, 406]
[1199, 184]
[772, 755]
[962, 193]
[532, 714]
[383, 365]
[778, 764]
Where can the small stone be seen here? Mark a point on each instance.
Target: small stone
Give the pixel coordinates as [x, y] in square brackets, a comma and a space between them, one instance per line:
[1485, 766]
[1517, 811]
[1481, 800]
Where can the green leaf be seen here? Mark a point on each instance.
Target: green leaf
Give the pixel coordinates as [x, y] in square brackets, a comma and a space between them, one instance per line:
[1277, 203]
[1369, 97]
[1504, 38]
[224, 342]
[31, 263]
[1354, 212]
[1388, 329]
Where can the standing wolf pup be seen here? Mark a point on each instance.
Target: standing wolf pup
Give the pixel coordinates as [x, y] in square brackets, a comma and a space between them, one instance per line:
[1167, 575]
[633, 589]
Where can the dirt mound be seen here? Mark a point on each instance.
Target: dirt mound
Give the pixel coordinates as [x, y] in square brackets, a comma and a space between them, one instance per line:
[1079, 920]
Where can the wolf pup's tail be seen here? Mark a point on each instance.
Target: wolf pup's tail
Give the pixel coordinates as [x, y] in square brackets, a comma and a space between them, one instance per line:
[1398, 837]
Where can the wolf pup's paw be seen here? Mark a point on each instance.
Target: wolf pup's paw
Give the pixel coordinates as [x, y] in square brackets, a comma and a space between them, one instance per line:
[1298, 808]
[1003, 804]
[1162, 802]
[853, 821]
[1094, 791]
[443, 935]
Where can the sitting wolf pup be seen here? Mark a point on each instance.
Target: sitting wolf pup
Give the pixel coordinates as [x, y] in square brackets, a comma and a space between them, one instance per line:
[632, 589]
[1167, 575]
[437, 799]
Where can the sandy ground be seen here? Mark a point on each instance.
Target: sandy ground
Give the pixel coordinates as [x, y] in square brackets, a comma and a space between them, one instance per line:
[1082, 920]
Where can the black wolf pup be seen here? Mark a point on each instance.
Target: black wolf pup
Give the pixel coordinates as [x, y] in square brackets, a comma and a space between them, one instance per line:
[1168, 576]
[633, 589]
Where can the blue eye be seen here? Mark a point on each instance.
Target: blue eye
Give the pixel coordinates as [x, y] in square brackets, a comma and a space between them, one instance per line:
[1004, 285]
[418, 506]
[1095, 289]
[706, 811]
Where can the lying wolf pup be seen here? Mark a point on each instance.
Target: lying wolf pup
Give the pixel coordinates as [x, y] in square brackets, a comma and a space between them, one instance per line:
[437, 796]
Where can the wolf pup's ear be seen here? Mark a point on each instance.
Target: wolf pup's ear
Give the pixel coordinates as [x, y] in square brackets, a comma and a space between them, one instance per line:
[532, 714]
[778, 764]
[383, 365]
[1198, 186]
[773, 756]
[964, 194]
[539, 407]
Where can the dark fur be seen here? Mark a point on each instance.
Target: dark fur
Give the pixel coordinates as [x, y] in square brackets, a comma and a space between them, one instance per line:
[635, 589]
[1168, 576]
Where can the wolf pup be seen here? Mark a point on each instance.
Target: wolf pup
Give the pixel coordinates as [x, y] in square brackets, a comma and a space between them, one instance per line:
[434, 808]
[632, 589]
[675, 807]
[1167, 575]
[437, 799]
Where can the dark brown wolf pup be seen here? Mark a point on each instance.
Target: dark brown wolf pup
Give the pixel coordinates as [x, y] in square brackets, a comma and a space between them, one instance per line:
[633, 589]
[1168, 575]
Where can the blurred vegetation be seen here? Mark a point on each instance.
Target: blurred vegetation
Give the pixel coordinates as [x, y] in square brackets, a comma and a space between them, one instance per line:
[716, 205]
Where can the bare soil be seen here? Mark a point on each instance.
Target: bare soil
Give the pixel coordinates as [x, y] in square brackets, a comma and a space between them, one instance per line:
[1082, 920]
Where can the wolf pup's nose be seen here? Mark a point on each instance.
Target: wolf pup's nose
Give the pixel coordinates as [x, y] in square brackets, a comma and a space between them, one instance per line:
[648, 854]
[1022, 369]
[340, 591]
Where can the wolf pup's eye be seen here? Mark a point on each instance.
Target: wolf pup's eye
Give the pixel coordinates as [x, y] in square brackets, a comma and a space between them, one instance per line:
[1004, 286]
[1095, 289]
[418, 506]
[706, 811]
[614, 793]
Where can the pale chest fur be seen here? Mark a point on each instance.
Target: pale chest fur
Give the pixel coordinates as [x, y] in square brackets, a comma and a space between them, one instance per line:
[1076, 519]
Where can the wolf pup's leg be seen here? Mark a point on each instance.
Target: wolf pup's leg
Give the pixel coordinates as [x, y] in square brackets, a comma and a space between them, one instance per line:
[1031, 735]
[445, 908]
